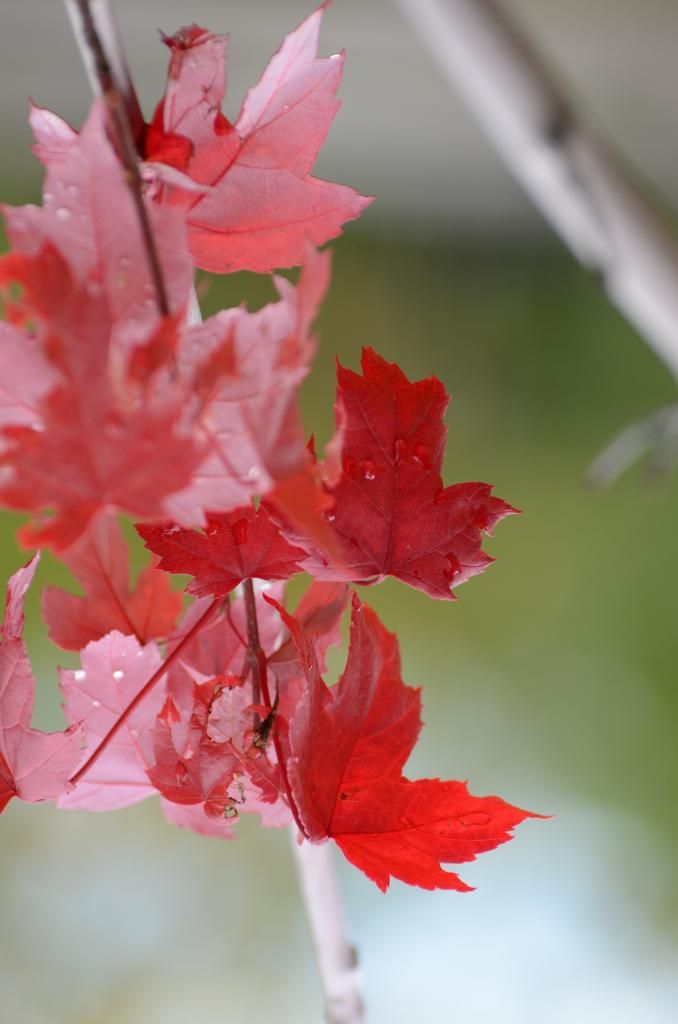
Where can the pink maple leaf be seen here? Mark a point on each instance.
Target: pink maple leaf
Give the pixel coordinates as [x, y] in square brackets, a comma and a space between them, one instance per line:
[34, 765]
[260, 205]
[112, 672]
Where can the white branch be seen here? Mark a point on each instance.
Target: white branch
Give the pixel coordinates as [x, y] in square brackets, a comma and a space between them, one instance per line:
[335, 956]
[581, 188]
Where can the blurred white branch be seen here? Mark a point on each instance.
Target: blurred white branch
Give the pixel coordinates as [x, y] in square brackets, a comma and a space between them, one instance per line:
[584, 191]
[336, 958]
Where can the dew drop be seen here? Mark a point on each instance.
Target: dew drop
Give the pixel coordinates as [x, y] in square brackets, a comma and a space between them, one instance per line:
[368, 469]
[400, 450]
[330, 516]
[47, 197]
[240, 529]
[422, 455]
[96, 703]
[80, 675]
[63, 213]
[253, 473]
[118, 674]
[474, 818]
[453, 566]
[73, 190]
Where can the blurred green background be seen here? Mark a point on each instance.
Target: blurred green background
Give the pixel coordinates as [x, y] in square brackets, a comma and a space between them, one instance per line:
[552, 682]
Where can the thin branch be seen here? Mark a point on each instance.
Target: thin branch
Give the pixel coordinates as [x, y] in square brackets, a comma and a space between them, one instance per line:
[146, 689]
[336, 957]
[657, 433]
[260, 687]
[580, 186]
[110, 80]
[112, 72]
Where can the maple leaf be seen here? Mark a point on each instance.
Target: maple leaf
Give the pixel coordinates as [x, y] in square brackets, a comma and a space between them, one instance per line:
[319, 615]
[234, 546]
[391, 514]
[349, 787]
[25, 381]
[89, 216]
[261, 205]
[194, 818]
[253, 431]
[34, 765]
[103, 421]
[199, 752]
[112, 672]
[99, 561]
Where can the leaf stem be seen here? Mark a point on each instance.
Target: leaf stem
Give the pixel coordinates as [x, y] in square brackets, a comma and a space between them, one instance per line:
[146, 689]
[118, 106]
[258, 667]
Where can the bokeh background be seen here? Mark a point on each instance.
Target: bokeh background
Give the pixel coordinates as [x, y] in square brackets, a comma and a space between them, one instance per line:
[553, 681]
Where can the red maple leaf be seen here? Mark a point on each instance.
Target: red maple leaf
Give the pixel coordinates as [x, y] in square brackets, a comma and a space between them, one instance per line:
[260, 205]
[391, 514]
[347, 748]
[100, 563]
[234, 546]
[34, 765]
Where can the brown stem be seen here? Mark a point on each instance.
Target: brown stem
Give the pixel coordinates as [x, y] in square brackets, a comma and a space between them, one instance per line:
[155, 678]
[123, 135]
[260, 688]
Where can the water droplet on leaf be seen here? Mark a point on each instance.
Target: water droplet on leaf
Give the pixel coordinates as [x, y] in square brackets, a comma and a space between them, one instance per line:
[240, 529]
[422, 455]
[400, 450]
[474, 818]
[118, 674]
[453, 566]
